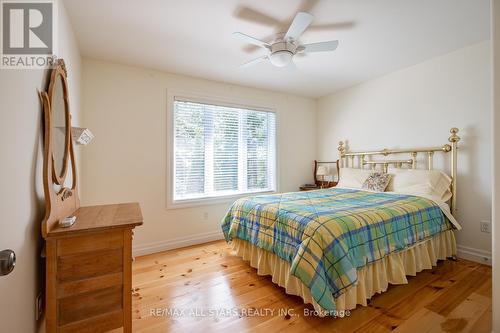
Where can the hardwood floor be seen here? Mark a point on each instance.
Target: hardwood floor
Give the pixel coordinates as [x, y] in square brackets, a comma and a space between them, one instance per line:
[453, 297]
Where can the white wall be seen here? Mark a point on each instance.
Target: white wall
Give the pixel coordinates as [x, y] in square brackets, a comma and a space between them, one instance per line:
[22, 204]
[126, 109]
[415, 107]
[496, 162]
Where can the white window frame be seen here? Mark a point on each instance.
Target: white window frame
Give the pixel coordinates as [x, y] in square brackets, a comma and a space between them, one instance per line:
[216, 100]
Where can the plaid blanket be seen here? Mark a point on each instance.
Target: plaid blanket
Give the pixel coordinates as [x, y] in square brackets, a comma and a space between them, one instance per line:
[326, 235]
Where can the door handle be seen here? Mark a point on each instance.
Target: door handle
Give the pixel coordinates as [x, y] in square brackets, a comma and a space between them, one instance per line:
[7, 261]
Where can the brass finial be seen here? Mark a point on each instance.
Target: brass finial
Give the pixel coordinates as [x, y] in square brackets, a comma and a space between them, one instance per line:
[454, 137]
[341, 148]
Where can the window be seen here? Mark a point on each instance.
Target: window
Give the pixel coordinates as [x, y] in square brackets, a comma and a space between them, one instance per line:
[222, 150]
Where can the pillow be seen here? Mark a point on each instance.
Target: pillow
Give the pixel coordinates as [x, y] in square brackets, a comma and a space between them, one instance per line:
[352, 177]
[420, 182]
[377, 182]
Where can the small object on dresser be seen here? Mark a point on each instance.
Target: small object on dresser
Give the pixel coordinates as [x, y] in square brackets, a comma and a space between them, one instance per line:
[67, 221]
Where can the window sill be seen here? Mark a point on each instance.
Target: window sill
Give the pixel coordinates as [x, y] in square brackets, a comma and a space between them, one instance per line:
[188, 203]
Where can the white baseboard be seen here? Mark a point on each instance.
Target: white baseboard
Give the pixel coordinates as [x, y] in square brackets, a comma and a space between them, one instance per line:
[472, 254]
[176, 243]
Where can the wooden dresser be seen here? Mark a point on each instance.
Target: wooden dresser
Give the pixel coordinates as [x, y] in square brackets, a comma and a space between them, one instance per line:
[89, 270]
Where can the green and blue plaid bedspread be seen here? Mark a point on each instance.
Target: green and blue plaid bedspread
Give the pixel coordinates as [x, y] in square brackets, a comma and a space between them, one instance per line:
[326, 235]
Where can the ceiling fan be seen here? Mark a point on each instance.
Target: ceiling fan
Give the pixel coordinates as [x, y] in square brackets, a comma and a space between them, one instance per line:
[282, 50]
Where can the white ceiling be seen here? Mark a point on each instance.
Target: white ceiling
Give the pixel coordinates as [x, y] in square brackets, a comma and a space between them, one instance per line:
[193, 37]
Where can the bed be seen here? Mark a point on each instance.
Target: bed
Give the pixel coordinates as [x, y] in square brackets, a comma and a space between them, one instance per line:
[338, 247]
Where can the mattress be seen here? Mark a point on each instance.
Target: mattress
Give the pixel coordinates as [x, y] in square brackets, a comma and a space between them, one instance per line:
[326, 238]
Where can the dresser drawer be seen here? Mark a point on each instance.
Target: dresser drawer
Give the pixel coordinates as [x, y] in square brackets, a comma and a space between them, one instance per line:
[89, 264]
[97, 324]
[76, 287]
[83, 306]
[88, 243]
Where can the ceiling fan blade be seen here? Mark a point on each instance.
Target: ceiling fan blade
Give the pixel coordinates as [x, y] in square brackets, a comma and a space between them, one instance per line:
[255, 16]
[249, 48]
[332, 26]
[300, 23]
[251, 40]
[254, 61]
[320, 47]
[307, 5]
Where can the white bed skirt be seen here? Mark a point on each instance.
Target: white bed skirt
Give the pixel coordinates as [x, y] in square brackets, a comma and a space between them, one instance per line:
[373, 278]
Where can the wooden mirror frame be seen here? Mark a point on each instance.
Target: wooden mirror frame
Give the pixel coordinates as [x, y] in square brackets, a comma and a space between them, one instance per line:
[59, 73]
[65, 201]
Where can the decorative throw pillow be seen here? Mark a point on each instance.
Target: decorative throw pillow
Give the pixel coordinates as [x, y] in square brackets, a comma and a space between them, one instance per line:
[417, 181]
[353, 177]
[377, 181]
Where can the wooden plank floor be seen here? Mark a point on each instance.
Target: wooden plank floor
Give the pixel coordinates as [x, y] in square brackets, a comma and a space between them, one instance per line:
[175, 291]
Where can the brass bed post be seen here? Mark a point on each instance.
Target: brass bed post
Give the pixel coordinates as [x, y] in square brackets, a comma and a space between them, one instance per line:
[341, 150]
[429, 160]
[414, 160]
[453, 139]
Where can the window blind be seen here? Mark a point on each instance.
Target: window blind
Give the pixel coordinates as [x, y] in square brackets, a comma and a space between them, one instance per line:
[222, 150]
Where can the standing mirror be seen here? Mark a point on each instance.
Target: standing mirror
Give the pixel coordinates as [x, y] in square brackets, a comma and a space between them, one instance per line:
[61, 196]
[60, 128]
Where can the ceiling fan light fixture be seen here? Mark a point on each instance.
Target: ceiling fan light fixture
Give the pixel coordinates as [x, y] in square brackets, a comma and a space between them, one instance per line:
[280, 52]
[281, 58]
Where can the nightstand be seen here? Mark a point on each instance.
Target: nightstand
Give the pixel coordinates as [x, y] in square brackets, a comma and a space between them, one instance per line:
[327, 185]
[308, 188]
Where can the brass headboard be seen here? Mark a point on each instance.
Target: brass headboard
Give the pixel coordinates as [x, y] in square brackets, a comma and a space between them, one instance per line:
[347, 159]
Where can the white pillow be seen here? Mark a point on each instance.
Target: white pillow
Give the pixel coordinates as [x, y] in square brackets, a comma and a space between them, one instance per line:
[352, 177]
[420, 182]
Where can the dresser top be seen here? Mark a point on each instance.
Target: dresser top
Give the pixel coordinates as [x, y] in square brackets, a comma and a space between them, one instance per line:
[103, 217]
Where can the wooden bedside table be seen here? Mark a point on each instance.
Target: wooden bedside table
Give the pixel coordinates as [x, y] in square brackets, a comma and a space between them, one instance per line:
[328, 185]
[308, 188]
[321, 184]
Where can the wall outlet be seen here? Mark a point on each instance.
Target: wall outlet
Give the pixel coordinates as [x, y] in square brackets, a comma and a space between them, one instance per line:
[38, 307]
[486, 226]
